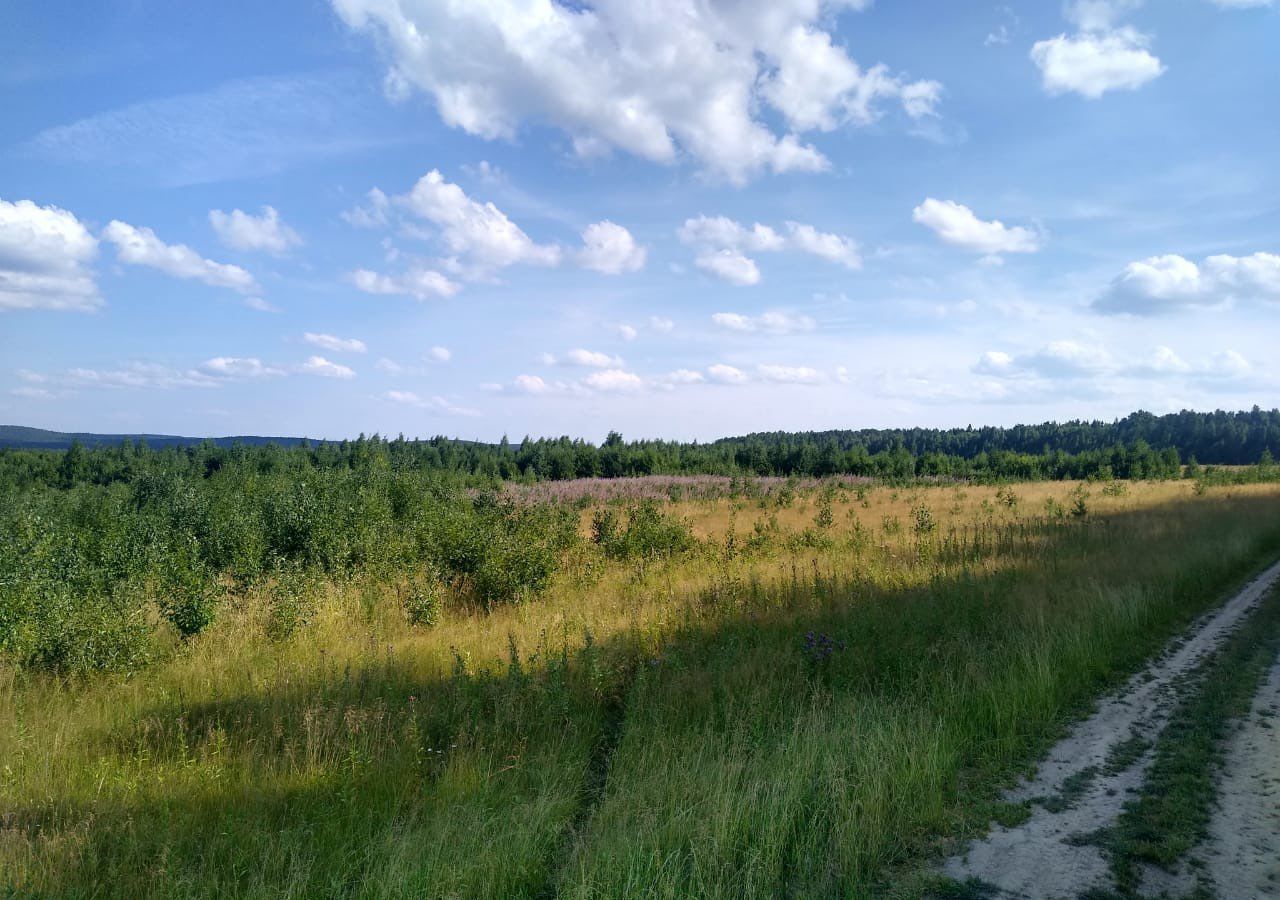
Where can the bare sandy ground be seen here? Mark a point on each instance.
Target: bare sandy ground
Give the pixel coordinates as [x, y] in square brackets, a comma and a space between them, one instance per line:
[1243, 852]
[1038, 859]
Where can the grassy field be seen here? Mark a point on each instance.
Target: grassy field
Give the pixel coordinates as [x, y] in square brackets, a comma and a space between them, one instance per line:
[829, 686]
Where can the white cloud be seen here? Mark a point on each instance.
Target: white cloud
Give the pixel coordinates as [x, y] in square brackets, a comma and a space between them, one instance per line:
[318, 365]
[435, 403]
[45, 254]
[725, 374]
[238, 367]
[723, 245]
[141, 247]
[1164, 360]
[730, 266]
[1058, 359]
[1096, 60]
[610, 249]
[721, 231]
[1168, 283]
[421, 284]
[659, 80]
[661, 324]
[335, 344]
[373, 214]
[789, 374]
[627, 332]
[773, 322]
[130, 376]
[1092, 368]
[440, 354]
[259, 305]
[480, 233]
[684, 376]
[1097, 15]
[531, 384]
[1257, 275]
[588, 358]
[613, 381]
[957, 225]
[831, 247]
[243, 231]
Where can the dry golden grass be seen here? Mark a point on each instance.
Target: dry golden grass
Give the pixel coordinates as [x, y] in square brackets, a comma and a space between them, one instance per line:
[425, 762]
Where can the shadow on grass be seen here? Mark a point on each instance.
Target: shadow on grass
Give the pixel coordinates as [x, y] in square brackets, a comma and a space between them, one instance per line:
[535, 781]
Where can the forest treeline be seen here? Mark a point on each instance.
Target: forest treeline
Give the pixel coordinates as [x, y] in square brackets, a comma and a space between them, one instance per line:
[1139, 446]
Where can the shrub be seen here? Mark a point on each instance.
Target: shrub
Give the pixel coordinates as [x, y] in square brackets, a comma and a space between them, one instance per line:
[423, 600]
[923, 521]
[291, 601]
[188, 598]
[649, 533]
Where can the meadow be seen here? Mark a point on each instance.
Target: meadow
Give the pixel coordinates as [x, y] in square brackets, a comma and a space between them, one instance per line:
[298, 685]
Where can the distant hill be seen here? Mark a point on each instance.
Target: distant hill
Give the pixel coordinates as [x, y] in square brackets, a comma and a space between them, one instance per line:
[19, 436]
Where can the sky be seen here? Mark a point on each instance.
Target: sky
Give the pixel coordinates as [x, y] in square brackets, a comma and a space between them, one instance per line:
[679, 219]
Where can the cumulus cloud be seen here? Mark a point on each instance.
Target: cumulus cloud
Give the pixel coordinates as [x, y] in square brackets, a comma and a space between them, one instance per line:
[730, 266]
[479, 239]
[610, 249]
[604, 74]
[421, 284]
[1092, 364]
[591, 359]
[440, 354]
[435, 403]
[723, 245]
[1163, 284]
[373, 214]
[318, 365]
[531, 384]
[773, 322]
[1058, 359]
[130, 376]
[831, 247]
[684, 376]
[480, 233]
[957, 225]
[141, 247]
[1092, 64]
[789, 374]
[238, 367]
[1100, 56]
[627, 332]
[45, 254]
[244, 231]
[726, 374]
[613, 381]
[334, 343]
[661, 324]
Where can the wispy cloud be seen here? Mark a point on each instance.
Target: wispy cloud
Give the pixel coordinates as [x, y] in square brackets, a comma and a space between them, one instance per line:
[243, 128]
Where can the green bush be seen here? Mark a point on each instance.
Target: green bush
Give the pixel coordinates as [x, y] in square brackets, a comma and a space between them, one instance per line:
[648, 533]
[422, 600]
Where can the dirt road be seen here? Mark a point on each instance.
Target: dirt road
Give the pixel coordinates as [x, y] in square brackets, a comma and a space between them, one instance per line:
[1082, 785]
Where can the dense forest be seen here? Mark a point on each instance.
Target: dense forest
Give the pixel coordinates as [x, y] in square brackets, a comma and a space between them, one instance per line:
[1138, 446]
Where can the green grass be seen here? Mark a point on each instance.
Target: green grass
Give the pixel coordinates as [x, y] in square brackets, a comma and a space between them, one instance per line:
[692, 747]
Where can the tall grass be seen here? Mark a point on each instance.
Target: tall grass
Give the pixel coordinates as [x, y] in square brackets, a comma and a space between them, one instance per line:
[810, 714]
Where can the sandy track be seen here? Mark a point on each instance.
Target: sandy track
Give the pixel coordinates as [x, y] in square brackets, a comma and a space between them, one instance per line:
[1038, 859]
[1243, 852]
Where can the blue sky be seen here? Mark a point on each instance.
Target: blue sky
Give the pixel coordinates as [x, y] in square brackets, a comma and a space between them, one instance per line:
[675, 219]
